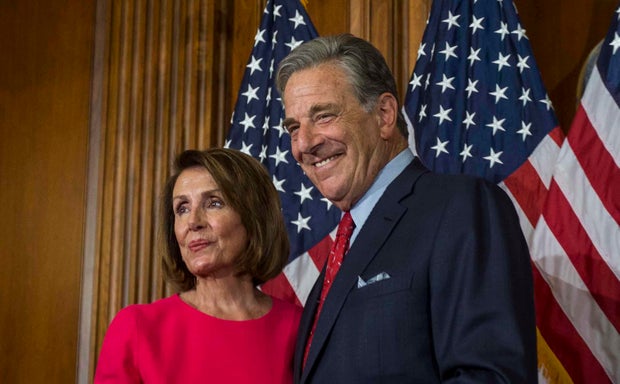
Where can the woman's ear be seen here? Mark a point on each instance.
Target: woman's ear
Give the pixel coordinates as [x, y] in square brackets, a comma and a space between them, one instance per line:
[387, 112]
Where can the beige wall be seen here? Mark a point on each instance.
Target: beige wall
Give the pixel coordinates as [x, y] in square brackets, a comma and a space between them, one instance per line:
[97, 96]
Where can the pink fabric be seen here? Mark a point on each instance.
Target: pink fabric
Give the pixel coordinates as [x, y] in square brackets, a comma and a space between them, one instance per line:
[168, 341]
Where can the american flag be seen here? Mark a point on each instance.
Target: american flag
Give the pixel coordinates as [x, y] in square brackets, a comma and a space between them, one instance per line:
[477, 104]
[256, 129]
[577, 240]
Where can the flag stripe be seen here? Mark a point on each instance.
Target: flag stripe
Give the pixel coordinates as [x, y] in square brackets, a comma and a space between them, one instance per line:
[603, 112]
[562, 337]
[602, 173]
[578, 247]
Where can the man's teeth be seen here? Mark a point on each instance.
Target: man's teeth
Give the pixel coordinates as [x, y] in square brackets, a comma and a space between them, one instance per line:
[323, 162]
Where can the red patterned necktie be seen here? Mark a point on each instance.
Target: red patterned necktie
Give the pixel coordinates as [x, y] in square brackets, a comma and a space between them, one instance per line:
[339, 248]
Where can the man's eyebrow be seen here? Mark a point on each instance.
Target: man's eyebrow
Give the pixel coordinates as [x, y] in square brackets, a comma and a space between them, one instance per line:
[313, 109]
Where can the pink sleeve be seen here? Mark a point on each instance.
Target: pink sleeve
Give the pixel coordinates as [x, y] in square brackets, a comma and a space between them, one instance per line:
[117, 361]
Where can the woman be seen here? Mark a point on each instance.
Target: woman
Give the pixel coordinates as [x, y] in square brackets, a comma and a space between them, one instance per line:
[224, 235]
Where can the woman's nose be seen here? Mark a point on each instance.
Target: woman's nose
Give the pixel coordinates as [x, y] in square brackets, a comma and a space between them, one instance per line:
[196, 219]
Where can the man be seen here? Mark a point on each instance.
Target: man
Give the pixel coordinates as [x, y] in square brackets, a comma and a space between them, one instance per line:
[436, 285]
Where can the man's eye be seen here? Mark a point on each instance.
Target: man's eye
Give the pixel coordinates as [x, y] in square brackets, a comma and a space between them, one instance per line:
[291, 128]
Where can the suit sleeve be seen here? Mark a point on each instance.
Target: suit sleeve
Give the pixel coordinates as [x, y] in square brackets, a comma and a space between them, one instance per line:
[482, 292]
[117, 359]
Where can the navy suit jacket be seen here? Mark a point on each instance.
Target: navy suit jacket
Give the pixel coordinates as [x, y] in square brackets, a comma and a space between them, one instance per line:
[458, 306]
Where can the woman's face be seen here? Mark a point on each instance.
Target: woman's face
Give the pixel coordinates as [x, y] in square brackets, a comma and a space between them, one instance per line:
[210, 233]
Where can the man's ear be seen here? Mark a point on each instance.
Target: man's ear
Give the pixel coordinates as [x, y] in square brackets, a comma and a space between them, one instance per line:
[387, 112]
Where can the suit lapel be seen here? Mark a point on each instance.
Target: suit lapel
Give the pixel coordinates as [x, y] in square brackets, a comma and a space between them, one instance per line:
[373, 234]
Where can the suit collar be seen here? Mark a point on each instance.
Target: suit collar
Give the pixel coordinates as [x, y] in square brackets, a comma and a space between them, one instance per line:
[379, 225]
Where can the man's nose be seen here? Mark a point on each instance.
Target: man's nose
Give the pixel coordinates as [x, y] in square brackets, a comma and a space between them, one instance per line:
[307, 138]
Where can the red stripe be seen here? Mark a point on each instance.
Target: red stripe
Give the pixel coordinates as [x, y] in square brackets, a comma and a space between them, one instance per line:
[320, 251]
[280, 287]
[557, 135]
[563, 339]
[597, 163]
[528, 189]
[596, 274]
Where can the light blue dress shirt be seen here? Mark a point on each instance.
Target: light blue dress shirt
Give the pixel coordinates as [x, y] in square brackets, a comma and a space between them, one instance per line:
[361, 210]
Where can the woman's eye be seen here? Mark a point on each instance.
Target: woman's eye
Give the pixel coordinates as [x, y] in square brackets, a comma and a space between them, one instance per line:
[215, 203]
[180, 209]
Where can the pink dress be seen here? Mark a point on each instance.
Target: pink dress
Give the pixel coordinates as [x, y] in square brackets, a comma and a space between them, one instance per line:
[168, 341]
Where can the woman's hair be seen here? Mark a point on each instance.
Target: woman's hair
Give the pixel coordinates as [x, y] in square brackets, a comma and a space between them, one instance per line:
[366, 69]
[247, 189]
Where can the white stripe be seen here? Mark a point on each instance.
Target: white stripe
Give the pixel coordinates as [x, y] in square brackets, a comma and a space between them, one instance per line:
[543, 157]
[411, 138]
[301, 274]
[600, 226]
[603, 113]
[575, 300]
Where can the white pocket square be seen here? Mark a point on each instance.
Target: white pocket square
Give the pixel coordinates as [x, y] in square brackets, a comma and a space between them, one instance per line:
[382, 276]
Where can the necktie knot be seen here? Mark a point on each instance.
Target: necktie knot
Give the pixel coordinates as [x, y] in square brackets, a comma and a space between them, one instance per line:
[346, 226]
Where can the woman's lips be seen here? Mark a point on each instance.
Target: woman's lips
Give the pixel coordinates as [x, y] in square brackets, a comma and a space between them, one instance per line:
[197, 245]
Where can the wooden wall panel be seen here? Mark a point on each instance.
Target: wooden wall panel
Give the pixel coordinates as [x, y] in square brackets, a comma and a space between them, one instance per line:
[45, 74]
[562, 34]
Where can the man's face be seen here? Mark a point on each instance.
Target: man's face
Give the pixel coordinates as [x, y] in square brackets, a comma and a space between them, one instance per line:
[337, 143]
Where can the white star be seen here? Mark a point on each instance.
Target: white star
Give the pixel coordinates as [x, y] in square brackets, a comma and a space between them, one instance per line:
[227, 143]
[294, 43]
[271, 67]
[248, 122]
[502, 61]
[473, 55]
[279, 156]
[304, 193]
[274, 39]
[258, 38]
[416, 81]
[268, 97]
[547, 102]
[421, 50]
[522, 64]
[525, 96]
[494, 158]
[301, 222]
[476, 24]
[251, 93]
[469, 119]
[278, 183]
[616, 42]
[246, 148]
[263, 153]
[466, 152]
[499, 93]
[428, 80]
[520, 32]
[451, 20]
[254, 65]
[276, 12]
[443, 114]
[440, 147]
[422, 113]
[525, 130]
[471, 87]
[497, 125]
[449, 51]
[266, 124]
[327, 202]
[280, 129]
[298, 19]
[446, 83]
[503, 30]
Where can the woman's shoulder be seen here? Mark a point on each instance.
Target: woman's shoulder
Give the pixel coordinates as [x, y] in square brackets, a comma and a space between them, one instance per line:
[286, 308]
[148, 310]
